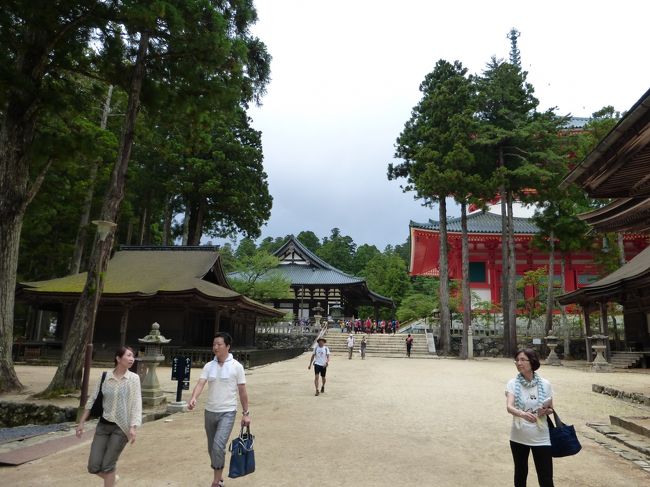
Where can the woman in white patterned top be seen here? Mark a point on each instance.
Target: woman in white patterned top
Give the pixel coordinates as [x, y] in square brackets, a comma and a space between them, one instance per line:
[122, 415]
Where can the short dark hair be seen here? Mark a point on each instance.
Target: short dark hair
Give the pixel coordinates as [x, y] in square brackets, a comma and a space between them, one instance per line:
[531, 355]
[227, 339]
[120, 353]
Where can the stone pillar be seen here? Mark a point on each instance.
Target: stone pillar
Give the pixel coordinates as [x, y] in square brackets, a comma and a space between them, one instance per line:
[152, 394]
[551, 343]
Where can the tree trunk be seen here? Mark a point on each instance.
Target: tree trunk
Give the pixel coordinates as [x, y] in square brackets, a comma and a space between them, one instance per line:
[186, 223]
[466, 292]
[143, 226]
[167, 221]
[512, 277]
[82, 232]
[68, 374]
[9, 240]
[443, 263]
[550, 295]
[505, 263]
[16, 136]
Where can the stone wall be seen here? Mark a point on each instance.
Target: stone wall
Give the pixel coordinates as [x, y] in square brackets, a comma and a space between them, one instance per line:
[492, 346]
[268, 341]
[18, 414]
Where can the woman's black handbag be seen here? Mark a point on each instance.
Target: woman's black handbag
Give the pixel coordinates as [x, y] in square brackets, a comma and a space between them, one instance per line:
[242, 455]
[564, 441]
[98, 406]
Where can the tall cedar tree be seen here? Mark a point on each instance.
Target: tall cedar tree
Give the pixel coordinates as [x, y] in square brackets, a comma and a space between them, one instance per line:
[520, 140]
[178, 54]
[433, 147]
[40, 43]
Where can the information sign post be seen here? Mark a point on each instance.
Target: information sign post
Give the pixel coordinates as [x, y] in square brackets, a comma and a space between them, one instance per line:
[181, 367]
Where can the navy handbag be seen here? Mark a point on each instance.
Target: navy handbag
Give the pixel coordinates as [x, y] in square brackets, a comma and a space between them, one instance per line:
[564, 441]
[242, 455]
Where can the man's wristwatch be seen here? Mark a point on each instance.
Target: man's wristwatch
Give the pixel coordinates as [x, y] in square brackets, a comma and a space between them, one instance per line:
[246, 413]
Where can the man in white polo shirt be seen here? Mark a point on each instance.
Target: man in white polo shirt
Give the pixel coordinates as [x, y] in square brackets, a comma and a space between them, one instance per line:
[320, 359]
[225, 378]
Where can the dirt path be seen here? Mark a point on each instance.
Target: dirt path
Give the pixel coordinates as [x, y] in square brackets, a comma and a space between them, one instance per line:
[381, 422]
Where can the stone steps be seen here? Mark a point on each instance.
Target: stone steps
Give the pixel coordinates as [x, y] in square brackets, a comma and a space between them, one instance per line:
[626, 360]
[379, 345]
[625, 443]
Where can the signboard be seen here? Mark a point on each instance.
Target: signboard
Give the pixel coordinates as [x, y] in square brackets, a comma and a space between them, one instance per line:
[181, 367]
[537, 341]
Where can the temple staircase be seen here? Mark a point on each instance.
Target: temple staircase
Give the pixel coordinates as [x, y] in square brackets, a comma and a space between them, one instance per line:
[379, 345]
[627, 360]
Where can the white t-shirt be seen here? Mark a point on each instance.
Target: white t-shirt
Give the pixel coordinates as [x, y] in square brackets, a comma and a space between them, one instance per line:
[222, 391]
[350, 342]
[321, 355]
[532, 434]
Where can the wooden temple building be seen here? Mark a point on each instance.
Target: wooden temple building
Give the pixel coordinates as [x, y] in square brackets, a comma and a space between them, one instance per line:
[619, 169]
[184, 289]
[485, 267]
[315, 282]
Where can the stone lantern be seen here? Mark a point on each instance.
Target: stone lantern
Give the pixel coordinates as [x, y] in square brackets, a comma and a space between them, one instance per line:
[152, 394]
[317, 314]
[551, 343]
[600, 363]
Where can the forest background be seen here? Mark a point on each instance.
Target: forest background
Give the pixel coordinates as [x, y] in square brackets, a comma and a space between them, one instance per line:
[137, 112]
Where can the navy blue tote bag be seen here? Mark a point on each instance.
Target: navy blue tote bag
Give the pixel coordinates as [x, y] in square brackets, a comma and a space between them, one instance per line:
[564, 441]
[242, 455]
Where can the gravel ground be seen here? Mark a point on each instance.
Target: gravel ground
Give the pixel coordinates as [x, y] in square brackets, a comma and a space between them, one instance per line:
[381, 422]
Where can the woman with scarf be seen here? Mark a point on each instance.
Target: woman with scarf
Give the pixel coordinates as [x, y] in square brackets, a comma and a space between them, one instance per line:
[225, 379]
[529, 398]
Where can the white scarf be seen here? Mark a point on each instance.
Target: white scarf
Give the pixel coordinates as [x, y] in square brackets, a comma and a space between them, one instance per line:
[224, 370]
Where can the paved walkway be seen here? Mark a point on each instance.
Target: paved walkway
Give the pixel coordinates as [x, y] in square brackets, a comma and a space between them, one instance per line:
[381, 422]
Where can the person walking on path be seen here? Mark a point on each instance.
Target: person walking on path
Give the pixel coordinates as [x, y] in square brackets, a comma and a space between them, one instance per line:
[122, 404]
[529, 398]
[350, 345]
[409, 344]
[363, 346]
[225, 379]
[321, 359]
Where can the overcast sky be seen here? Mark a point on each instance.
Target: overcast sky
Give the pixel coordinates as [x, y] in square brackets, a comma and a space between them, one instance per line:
[345, 76]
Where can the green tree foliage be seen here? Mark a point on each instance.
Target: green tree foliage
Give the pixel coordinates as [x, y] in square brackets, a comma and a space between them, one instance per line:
[386, 275]
[309, 240]
[533, 304]
[522, 141]
[270, 244]
[435, 148]
[338, 250]
[255, 277]
[364, 254]
[182, 56]
[415, 306]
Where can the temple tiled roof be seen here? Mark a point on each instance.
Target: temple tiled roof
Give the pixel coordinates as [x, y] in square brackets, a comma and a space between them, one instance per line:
[480, 222]
[630, 275]
[144, 273]
[302, 267]
[300, 274]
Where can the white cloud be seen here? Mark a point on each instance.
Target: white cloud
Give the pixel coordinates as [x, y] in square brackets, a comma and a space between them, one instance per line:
[346, 75]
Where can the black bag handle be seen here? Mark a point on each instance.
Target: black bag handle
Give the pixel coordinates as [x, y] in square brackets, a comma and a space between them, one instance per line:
[558, 421]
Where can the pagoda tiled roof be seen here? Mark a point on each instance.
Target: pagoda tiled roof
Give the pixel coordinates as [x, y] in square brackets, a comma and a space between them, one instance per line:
[481, 222]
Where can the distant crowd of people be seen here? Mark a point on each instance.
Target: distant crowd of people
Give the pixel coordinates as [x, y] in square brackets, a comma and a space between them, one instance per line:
[369, 326]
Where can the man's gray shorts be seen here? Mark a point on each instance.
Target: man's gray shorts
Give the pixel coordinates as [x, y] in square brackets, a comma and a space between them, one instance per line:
[218, 427]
